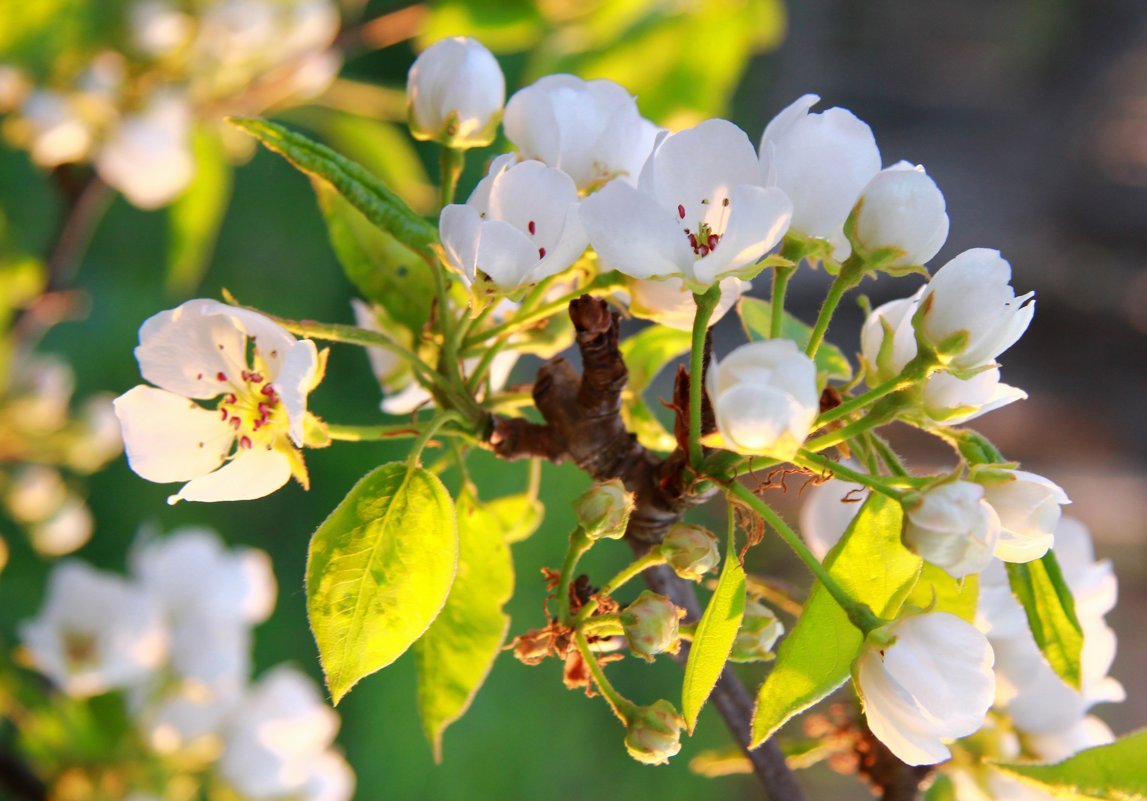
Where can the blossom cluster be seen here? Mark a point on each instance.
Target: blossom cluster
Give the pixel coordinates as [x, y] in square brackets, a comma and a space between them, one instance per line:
[174, 640]
[132, 111]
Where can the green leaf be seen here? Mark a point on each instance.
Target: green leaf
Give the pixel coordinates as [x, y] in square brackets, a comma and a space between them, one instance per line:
[362, 189]
[518, 516]
[1112, 772]
[938, 591]
[1050, 609]
[379, 570]
[459, 648]
[380, 267]
[195, 217]
[645, 354]
[872, 566]
[714, 637]
[757, 316]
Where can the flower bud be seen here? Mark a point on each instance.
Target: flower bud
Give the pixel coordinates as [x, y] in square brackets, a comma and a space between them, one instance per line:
[654, 733]
[454, 94]
[765, 398]
[603, 511]
[953, 527]
[887, 340]
[690, 550]
[1028, 508]
[952, 400]
[902, 208]
[651, 625]
[759, 631]
[922, 680]
[971, 296]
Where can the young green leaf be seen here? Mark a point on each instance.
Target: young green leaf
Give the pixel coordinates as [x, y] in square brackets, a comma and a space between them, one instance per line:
[1112, 772]
[517, 516]
[757, 316]
[645, 354]
[873, 566]
[362, 189]
[714, 637]
[195, 217]
[457, 651]
[379, 570]
[1050, 610]
[939, 592]
[380, 267]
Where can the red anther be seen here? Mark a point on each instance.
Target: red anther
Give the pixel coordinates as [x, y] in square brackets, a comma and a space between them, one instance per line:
[258, 424]
[224, 413]
[256, 378]
[235, 423]
[199, 376]
[703, 251]
[243, 374]
[232, 397]
[244, 442]
[533, 228]
[680, 211]
[541, 253]
[693, 241]
[269, 391]
[264, 410]
[712, 241]
[725, 202]
[221, 376]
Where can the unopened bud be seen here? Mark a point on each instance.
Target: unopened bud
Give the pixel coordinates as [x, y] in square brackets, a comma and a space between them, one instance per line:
[690, 550]
[654, 733]
[603, 511]
[759, 631]
[651, 625]
[454, 94]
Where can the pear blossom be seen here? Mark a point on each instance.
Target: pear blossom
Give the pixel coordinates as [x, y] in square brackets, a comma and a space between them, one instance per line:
[972, 295]
[454, 93]
[65, 530]
[953, 527]
[924, 679]
[700, 212]
[278, 741]
[951, 400]
[95, 632]
[822, 162]
[260, 375]
[57, 131]
[765, 398]
[520, 225]
[902, 208]
[148, 155]
[828, 510]
[1029, 508]
[590, 130]
[669, 302]
[159, 27]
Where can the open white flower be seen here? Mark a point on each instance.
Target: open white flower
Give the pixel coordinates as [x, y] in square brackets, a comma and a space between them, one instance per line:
[953, 527]
[1029, 510]
[244, 447]
[590, 130]
[700, 212]
[972, 294]
[670, 303]
[454, 93]
[902, 208]
[148, 154]
[952, 401]
[822, 162]
[95, 632]
[520, 225]
[764, 398]
[922, 680]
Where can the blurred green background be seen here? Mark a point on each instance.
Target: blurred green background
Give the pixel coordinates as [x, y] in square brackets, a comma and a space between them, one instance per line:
[1028, 113]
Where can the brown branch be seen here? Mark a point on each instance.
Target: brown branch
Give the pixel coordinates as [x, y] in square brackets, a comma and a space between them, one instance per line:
[19, 780]
[583, 424]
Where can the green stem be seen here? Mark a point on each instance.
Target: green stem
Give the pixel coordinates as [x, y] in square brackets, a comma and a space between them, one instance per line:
[621, 706]
[845, 280]
[916, 370]
[859, 613]
[781, 276]
[635, 568]
[351, 433]
[579, 544]
[428, 432]
[886, 454]
[853, 429]
[601, 626]
[706, 303]
[450, 163]
[815, 461]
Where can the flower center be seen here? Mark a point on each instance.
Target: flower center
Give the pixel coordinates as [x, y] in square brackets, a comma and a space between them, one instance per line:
[705, 239]
[80, 649]
[252, 408]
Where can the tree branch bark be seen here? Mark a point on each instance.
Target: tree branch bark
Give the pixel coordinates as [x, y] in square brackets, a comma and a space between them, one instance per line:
[583, 424]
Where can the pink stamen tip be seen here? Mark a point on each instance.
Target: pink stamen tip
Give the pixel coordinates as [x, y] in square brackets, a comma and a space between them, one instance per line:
[269, 391]
[232, 397]
[224, 411]
[256, 378]
[693, 241]
[235, 423]
[533, 228]
[244, 442]
[221, 376]
[713, 239]
[704, 251]
[680, 211]
[541, 253]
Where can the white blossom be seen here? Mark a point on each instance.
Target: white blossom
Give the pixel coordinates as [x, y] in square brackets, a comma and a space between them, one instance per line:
[57, 131]
[700, 211]
[590, 130]
[246, 446]
[454, 93]
[764, 398]
[953, 527]
[670, 302]
[925, 679]
[822, 162]
[1029, 508]
[828, 510]
[902, 208]
[520, 225]
[66, 530]
[95, 632]
[148, 154]
[951, 400]
[971, 294]
[159, 27]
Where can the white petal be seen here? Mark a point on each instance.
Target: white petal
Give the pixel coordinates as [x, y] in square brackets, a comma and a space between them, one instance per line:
[185, 350]
[251, 474]
[887, 710]
[170, 438]
[458, 228]
[633, 234]
[294, 383]
[505, 254]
